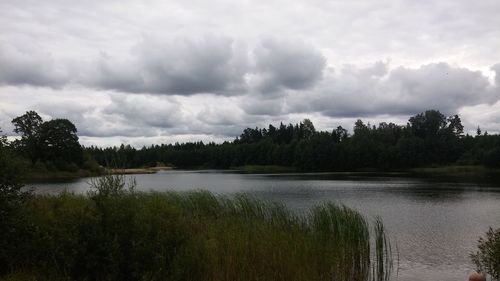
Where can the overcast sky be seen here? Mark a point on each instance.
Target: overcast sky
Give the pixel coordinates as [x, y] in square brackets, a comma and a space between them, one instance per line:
[143, 72]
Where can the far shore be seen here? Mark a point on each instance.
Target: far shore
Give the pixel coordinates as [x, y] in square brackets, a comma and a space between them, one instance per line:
[137, 171]
[48, 176]
[450, 172]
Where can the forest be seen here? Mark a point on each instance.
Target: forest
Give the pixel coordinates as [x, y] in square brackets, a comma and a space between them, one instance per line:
[428, 139]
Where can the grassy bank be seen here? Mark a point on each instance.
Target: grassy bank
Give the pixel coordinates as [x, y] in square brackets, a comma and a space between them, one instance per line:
[47, 176]
[457, 171]
[136, 171]
[264, 169]
[37, 175]
[448, 172]
[118, 234]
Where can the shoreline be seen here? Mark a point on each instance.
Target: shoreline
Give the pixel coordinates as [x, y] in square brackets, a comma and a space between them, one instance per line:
[138, 171]
[54, 176]
[450, 171]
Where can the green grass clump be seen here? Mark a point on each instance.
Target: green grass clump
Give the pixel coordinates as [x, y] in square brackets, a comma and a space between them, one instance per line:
[115, 233]
[487, 257]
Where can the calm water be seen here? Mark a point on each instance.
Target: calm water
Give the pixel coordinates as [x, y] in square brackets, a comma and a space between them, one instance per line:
[435, 223]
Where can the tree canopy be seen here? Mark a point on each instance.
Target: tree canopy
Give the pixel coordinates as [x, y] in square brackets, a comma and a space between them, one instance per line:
[54, 142]
[429, 138]
[28, 126]
[59, 141]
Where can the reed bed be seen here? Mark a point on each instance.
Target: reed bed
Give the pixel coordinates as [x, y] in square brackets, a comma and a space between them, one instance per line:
[115, 233]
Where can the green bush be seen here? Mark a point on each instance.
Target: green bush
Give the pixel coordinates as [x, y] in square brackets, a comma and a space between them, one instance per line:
[487, 258]
[13, 225]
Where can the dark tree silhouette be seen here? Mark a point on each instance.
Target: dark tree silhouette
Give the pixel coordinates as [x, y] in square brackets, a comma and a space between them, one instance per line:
[59, 142]
[28, 126]
[53, 142]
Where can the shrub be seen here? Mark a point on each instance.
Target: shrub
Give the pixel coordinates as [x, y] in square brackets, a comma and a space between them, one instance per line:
[13, 226]
[487, 258]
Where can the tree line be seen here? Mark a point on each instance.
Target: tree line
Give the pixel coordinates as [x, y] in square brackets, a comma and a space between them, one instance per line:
[46, 146]
[428, 138]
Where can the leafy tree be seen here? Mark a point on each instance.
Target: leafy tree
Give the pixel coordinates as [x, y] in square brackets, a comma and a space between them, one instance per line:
[11, 177]
[455, 126]
[3, 140]
[307, 129]
[59, 142]
[427, 124]
[28, 125]
[339, 134]
[360, 128]
[12, 227]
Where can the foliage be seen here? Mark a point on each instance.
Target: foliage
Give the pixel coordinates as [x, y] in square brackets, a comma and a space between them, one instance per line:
[116, 234]
[487, 258]
[429, 138]
[51, 144]
[11, 173]
[3, 141]
[28, 125]
[12, 226]
[109, 185]
[59, 142]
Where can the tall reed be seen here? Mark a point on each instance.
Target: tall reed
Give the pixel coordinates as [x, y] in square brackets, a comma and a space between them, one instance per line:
[118, 234]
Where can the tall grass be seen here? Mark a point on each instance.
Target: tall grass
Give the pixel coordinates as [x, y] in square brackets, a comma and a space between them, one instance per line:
[487, 257]
[118, 234]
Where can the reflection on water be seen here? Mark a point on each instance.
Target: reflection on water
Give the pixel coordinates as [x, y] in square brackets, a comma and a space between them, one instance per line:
[435, 223]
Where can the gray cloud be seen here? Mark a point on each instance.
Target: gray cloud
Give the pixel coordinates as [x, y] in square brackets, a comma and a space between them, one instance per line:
[146, 111]
[347, 92]
[288, 65]
[496, 69]
[94, 120]
[442, 86]
[111, 114]
[257, 106]
[175, 66]
[181, 66]
[486, 116]
[354, 91]
[26, 65]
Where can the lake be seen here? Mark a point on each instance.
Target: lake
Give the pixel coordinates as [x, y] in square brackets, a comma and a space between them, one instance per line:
[434, 223]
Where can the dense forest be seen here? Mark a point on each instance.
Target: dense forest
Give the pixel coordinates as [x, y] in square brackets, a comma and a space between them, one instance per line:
[428, 139]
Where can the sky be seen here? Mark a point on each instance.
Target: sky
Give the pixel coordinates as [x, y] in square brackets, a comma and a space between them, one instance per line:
[150, 72]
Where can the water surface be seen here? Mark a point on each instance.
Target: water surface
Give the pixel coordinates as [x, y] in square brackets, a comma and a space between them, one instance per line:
[435, 223]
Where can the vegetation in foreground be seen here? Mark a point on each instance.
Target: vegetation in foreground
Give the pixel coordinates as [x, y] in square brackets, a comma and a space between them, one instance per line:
[115, 233]
[487, 257]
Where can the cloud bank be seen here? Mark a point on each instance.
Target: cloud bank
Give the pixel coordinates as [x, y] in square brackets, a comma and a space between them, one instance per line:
[185, 70]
